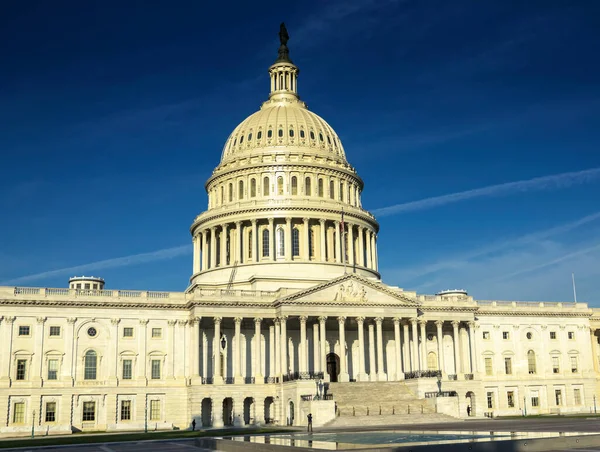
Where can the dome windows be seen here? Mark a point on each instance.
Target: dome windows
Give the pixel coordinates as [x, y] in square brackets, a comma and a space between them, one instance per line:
[301, 133]
[252, 188]
[250, 136]
[280, 242]
[320, 188]
[320, 137]
[230, 192]
[265, 243]
[241, 139]
[280, 186]
[280, 133]
[295, 242]
[291, 133]
[307, 188]
[266, 186]
[294, 185]
[331, 189]
[312, 135]
[259, 135]
[241, 189]
[269, 133]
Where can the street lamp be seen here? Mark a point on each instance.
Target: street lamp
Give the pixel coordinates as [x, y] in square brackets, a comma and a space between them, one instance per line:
[33, 424]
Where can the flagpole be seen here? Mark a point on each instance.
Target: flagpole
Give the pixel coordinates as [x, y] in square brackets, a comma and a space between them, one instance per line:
[574, 290]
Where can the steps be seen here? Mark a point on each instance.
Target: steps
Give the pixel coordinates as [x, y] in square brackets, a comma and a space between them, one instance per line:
[391, 420]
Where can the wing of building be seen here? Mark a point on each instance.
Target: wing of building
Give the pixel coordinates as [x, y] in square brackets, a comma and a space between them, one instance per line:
[285, 315]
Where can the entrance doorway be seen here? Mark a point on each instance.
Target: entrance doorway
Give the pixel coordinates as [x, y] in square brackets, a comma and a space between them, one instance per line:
[228, 411]
[470, 396]
[333, 367]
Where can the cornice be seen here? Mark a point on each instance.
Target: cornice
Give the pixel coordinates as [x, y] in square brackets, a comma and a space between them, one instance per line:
[534, 314]
[93, 304]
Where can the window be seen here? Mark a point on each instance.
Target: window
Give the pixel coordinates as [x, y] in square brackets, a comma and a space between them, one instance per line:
[510, 399]
[552, 334]
[79, 285]
[508, 366]
[89, 367]
[312, 135]
[531, 361]
[128, 331]
[320, 188]
[125, 410]
[558, 397]
[250, 245]
[250, 136]
[21, 369]
[301, 133]
[230, 192]
[505, 335]
[265, 243]
[331, 190]
[252, 188]
[295, 242]
[23, 330]
[490, 400]
[294, 185]
[535, 400]
[154, 410]
[489, 370]
[259, 135]
[341, 191]
[241, 139]
[280, 242]
[155, 369]
[222, 195]
[571, 335]
[555, 365]
[291, 133]
[320, 137]
[95, 286]
[127, 367]
[156, 333]
[50, 411]
[529, 336]
[280, 133]
[89, 411]
[269, 133]
[307, 187]
[53, 369]
[577, 396]
[19, 413]
[265, 186]
[87, 286]
[280, 186]
[432, 363]
[311, 242]
[574, 366]
[486, 335]
[55, 331]
[241, 189]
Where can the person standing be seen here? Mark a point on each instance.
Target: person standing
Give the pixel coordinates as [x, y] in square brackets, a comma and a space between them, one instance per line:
[193, 425]
[469, 410]
[309, 428]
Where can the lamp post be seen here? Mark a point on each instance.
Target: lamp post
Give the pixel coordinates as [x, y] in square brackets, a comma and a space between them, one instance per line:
[524, 406]
[439, 383]
[33, 424]
[595, 412]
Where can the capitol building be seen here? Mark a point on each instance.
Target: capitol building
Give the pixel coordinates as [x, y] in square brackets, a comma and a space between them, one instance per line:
[285, 314]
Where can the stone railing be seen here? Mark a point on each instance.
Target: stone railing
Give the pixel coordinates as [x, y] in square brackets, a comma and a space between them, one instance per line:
[271, 380]
[452, 377]
[303, 376]
[39, 292]
[422, 374]
[468, 376]
[433, 394]
[531, 304]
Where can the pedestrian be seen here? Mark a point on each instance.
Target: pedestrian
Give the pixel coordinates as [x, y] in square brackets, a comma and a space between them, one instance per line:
[468, 410]
[310, 422]
[193, 424]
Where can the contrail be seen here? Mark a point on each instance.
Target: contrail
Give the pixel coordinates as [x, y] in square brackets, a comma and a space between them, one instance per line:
[544, 183]
[166, 253]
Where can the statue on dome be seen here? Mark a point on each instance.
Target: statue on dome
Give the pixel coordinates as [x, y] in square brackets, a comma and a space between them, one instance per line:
[284, 52]
[283, 34]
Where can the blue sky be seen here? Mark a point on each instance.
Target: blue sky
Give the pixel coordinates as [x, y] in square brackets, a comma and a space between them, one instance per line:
[113, 114]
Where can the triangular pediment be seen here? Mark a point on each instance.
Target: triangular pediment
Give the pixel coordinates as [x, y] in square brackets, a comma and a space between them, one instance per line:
[350, 289]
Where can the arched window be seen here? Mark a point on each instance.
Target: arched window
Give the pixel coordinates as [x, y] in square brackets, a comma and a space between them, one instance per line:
[280, 186]
[307, 187]
[252, 188]
[351, 192]
[531, 361]
[259, 135]
[90, 365]
[291, 133]
[265, 243]
[250, 136]
[280, 242]
[266, 186]
[230, 192]
[311, 242]
[269, 133]
[294, 185]
[241, 139]
[341, 191]
[250, 244]
[222, 195]
[312, 135]
[280, 133]
[295, 242]
[241, 189]
[432, 362]
[301, 133]
[320, 188]
[331, 189]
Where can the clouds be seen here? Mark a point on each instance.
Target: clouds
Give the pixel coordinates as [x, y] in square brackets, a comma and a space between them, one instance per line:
[545, 183]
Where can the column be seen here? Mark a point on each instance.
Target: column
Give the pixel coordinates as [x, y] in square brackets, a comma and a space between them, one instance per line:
[271, 352]
[196, 242]
[362, 376]
[238, 242]
[302, 354]
[316, 358]
[455, 324]
[283, 362]
[171, 346]
[255, 251]
[179, 355]
[195, 347]
[224, 232]
[323, 354]
[113, 367]
[372, 367]
[142, 361]
[415, 345]
[288, 239]
[472, 342]
[440, 340]
[322, 244]
[38, 351]
[258, 376]
[237, 363]
[594, 340]
[271, 239]
[213, 247]
[217, 377]
[406, 348]
[368, 240]
[375, 259]
[381, 375]
[423, 324]
[361, 246]
[343, 367]
[306, 240]
[398, 356]
[205, 248]
[277, 347]
[351, 260]
[217, 411]
[259, 410]
[338, 242]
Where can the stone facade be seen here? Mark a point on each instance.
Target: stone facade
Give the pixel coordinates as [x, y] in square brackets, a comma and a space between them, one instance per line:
[285, 291]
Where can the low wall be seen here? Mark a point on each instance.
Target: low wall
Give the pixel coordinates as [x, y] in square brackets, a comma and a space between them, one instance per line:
[322, 412]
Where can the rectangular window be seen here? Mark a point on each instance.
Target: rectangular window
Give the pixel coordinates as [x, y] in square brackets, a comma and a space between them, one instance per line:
[50, 411]
[490, 400]
[552, 334]
[154, 410]
[574, 367]
[125, 410]
[508, 366]
[577, 396]
[87, 286]
[489, 370]
[53, 369]
[571, 335]
[55, 331]
[19, 413]
[156, 332]
[95, 286]
[128, 332]
[510, 398]
[79, 285]
[89, 411]
[505, 335]
[156, 369]
[558, 397]
[23, 330]
[555, 365]
[535, 401]
[21, 369]
[486, 335]
[127, 365]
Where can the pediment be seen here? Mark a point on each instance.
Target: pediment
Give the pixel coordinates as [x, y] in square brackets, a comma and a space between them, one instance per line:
[350, 289]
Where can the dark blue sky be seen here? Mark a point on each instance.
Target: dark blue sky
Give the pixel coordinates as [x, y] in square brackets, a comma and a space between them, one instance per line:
[113, 114]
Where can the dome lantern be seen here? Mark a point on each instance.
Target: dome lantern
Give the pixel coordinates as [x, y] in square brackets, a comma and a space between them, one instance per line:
[283, 73]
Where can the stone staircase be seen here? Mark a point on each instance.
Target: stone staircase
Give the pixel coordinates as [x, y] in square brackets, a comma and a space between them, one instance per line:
[381, 403]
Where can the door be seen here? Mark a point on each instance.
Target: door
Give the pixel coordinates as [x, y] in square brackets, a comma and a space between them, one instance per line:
[333, 367]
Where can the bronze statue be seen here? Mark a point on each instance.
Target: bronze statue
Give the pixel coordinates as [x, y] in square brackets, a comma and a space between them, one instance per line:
[284, 52]
[283, 34]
